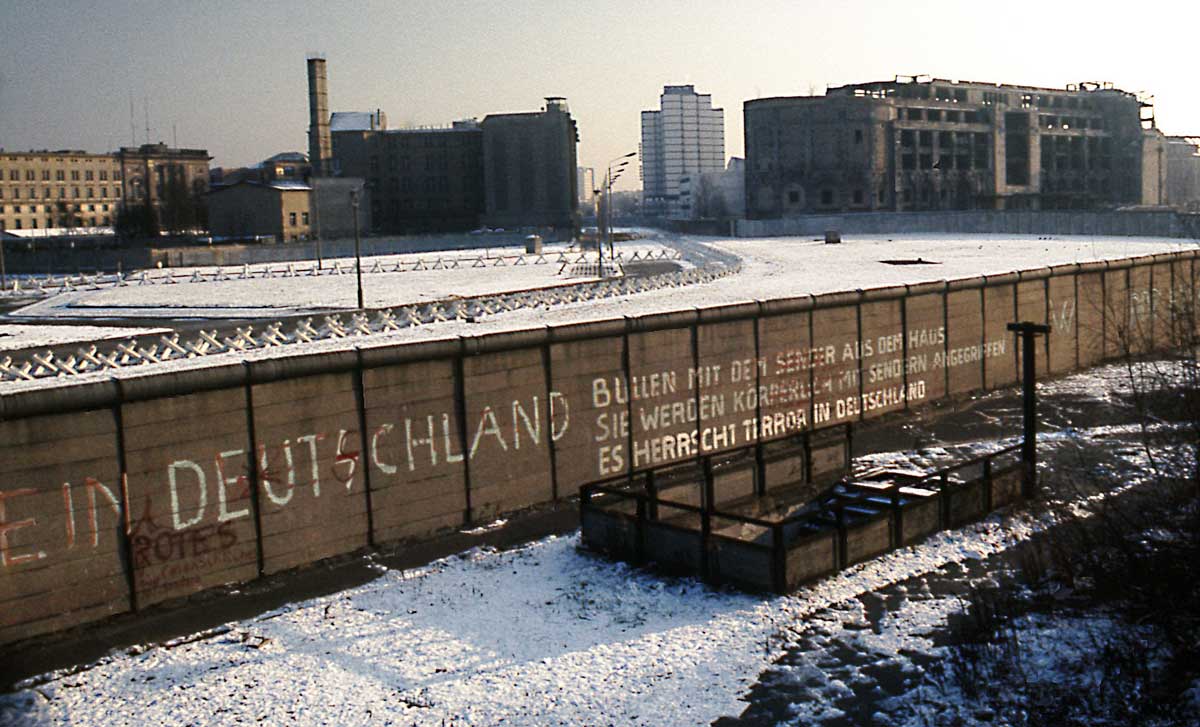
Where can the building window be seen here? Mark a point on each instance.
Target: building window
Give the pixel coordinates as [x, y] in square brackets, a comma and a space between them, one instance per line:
[926, 138]
[75, 193]
[304, 218]
[907, 137]
[103, 175]
[74, 175]
[62, 192]
[826, 196]
[793, 197]
[90, 191]
[104, 191]
[29, 175]
[16, 193]
[858, 136]
[59, 176]
[292, 219]
[45, 193]
[17, 223]
[858, 196]
[45, 175]
[88, 175]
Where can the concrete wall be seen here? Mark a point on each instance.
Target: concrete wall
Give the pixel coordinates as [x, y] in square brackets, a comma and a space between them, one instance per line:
[123, 493]
[1146, 224]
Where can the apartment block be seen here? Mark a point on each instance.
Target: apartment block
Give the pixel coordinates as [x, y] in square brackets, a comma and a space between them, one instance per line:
[683, 140]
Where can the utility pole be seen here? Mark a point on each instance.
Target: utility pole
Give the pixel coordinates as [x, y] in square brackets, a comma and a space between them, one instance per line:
[357, 251]
[1028, 332]
[315, 197]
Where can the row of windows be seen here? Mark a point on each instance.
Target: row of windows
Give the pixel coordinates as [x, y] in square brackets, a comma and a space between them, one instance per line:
[89, 193]
[292, 218]
[14, 175]
[32, 224]
[949, 116]
[1069, 122]
[33, 208]
[946, 162]
[909, 138]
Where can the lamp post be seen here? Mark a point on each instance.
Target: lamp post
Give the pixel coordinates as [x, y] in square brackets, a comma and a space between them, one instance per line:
[357, 250]
[315, 196]
[609, 178]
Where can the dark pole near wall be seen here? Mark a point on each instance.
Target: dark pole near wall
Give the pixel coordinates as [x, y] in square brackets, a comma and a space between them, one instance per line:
[1028, 332]
[357, 249]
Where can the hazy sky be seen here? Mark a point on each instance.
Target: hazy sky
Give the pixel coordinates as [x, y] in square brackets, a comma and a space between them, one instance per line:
[231, 75]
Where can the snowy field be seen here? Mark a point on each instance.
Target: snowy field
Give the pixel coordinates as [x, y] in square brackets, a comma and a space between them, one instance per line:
[771, 268]
[292, 288]
[541, 635]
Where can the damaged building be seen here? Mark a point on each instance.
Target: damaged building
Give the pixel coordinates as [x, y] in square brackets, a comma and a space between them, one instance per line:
[917, 143]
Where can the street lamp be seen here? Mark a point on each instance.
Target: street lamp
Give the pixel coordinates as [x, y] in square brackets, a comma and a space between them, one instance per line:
[609, 178]
[357, 250]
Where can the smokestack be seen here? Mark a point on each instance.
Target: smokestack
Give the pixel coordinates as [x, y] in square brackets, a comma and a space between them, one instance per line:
[320, 147]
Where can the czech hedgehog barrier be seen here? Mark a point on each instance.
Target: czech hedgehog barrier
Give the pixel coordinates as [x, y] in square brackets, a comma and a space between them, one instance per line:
[123, 493]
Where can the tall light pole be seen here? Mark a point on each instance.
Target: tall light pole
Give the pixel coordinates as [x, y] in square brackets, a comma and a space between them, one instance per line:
[316, 205]
[609, 178]
[357, 250]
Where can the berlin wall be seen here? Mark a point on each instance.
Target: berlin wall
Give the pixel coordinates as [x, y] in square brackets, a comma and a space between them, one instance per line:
[124, 493]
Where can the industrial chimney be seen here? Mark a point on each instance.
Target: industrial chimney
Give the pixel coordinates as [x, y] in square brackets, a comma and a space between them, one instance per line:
[320, 148]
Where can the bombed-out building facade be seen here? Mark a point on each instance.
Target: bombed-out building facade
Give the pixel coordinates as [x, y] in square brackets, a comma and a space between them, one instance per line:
[918, 143]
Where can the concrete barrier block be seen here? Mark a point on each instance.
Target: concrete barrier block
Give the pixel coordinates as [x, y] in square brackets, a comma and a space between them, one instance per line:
[590, 397]
[189, 464]
[61, 505]
[509, 431]
[662, 398]
[414, 449]
[310, 469]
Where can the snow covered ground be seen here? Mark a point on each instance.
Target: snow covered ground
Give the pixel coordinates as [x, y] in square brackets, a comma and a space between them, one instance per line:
[252, 292]
[540, 635]
[771, 268]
